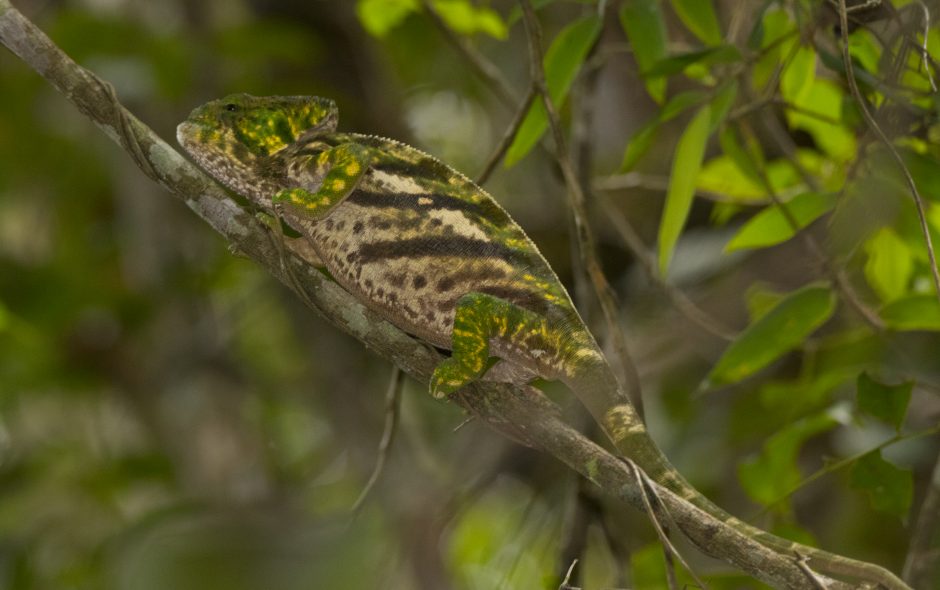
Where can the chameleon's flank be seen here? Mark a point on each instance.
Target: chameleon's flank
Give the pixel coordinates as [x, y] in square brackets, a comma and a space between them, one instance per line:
[424, 246]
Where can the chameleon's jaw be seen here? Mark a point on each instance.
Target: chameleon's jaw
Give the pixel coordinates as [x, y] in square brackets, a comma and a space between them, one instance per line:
[235, 174]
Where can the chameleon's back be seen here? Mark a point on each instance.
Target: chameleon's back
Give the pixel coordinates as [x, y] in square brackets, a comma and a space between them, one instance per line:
[416, 235]
[410, 240]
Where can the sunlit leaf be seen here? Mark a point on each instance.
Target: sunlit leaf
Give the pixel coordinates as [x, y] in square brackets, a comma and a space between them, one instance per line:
[798, 78]
[889, 266]
[885, 402]
[562, 62]
[774, 26]
[721, 175]
[378, 17]
[699, 17]
[777, 332]
[890, 489]
[685, 166]
[642, 20]
[774, 473]
[820, 113]
[467, 19]
[865, 48]
[771, 226]
[916, 312]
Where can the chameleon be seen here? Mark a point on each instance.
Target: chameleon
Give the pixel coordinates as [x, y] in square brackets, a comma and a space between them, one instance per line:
[434, 254]
[414, 240]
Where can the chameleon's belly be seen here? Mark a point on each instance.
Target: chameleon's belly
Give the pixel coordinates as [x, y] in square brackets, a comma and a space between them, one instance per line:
[413, 263]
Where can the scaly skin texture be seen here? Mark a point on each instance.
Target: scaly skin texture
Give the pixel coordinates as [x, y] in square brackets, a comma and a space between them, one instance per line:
[435, 255]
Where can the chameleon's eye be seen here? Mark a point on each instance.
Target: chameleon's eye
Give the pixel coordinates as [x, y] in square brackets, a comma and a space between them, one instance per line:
[231, 107]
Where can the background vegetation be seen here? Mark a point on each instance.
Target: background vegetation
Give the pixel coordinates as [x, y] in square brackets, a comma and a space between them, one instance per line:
[171, 418]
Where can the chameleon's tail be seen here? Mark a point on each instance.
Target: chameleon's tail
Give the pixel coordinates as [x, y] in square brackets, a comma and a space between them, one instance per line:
[596, 386]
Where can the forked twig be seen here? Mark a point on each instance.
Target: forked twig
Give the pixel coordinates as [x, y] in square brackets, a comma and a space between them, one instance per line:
[873, 125]
[392, 411]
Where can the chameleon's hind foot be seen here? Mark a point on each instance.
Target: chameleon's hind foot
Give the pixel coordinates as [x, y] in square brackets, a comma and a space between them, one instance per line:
[448, 377]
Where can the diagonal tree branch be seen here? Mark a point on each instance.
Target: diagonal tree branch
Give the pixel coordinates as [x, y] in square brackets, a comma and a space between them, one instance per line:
[521, 413]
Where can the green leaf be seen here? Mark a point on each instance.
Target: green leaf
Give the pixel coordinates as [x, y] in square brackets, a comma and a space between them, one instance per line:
[642, 20]
[722, 103]
[562, 62]
[771, 226]
[378, 17]
[798, 78]
[824, 100]
[466, 19]
[705, 57]
[642, 140]
[916, 312]
[885, 402]
[889, 266]
[890, 489]
[777, 332]
[699, 17]
[760, 299]
[685, 166]
[745, 158]
[774, 473]
[721, 175]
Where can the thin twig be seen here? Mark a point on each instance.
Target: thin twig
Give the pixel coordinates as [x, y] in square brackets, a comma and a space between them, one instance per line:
[565, 583]
[649, 495]
[873, 125]
[484, 68]
[679, 300]
[842, 463]
[802, 562]
[585, 235]
[652, 182]
[922, 563]
[392, 407]
[836, 274]
[508, 137]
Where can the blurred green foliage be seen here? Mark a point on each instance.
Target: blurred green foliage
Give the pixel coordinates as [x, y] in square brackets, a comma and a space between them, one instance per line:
[171, 418]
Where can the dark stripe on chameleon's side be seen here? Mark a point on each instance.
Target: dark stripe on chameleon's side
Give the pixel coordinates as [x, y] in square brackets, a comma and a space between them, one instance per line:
[455, 246]
[484, 209]
[525, 298]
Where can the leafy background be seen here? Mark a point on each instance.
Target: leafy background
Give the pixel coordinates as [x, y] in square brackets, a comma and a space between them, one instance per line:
[172, 418]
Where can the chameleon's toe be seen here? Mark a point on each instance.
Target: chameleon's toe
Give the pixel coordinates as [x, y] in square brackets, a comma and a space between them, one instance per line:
[446, 379]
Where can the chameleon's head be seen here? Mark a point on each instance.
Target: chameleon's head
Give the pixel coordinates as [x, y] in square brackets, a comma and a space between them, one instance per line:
[232, 137]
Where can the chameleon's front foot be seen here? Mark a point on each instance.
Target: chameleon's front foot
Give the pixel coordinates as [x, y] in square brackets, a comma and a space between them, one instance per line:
[448, 377]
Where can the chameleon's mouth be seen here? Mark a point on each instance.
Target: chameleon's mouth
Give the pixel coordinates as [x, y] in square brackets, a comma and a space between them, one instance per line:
[185, 132]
